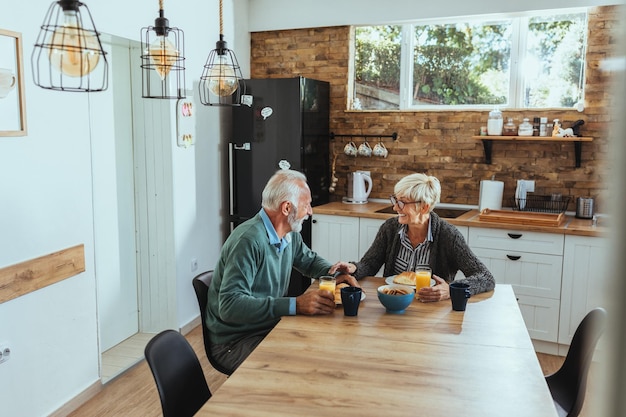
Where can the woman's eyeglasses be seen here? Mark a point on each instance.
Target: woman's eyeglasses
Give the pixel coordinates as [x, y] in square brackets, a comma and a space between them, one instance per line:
[394, 200]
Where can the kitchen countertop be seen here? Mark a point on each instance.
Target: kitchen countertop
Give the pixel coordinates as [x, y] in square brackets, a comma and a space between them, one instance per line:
[571, 225]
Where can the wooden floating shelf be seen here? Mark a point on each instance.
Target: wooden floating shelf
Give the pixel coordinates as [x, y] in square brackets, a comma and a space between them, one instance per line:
[577, 140]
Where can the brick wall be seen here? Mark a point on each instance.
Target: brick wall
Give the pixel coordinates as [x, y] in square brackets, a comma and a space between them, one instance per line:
[440, 143]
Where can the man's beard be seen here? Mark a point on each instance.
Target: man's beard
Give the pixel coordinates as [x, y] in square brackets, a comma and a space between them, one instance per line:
[294, 223]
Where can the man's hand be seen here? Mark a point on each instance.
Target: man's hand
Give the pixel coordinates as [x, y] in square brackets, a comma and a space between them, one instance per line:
[348, 279]
[315, 302]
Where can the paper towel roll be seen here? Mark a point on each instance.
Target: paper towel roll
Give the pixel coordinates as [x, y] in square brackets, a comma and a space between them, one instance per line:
[490, 195]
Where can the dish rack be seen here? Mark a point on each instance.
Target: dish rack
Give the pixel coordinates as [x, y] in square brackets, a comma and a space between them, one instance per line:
[541, 203]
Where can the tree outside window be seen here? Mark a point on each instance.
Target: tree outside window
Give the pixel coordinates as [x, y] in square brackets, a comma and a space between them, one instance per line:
[524, 62]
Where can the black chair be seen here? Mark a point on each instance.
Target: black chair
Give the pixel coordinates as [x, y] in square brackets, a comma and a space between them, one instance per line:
[178, 374]
[568, 384]
[201, 285]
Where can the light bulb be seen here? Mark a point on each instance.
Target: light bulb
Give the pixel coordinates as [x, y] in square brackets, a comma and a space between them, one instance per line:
[222, 79]
[72, 51]
[163, 55]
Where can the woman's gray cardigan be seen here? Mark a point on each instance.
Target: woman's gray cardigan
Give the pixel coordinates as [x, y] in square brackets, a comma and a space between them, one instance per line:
[449, 253]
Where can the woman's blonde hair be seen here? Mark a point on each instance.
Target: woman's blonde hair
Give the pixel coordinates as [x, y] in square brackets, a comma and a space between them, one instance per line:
[419, 187]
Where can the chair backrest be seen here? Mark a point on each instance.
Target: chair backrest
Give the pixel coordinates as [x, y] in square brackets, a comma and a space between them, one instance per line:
[178, 374]
[201, 285]
[569, 383]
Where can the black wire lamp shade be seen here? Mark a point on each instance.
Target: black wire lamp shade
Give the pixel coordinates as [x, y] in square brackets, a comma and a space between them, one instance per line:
[221, 82]
[68, 53]
[162, 59]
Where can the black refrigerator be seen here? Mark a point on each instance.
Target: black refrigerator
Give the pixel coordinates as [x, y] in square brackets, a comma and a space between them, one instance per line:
[283, 124]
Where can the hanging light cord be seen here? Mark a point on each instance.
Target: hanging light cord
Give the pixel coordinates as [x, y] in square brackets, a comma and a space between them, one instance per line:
[221, 20]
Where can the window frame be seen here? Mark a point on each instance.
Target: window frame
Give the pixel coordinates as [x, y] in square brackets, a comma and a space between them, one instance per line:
[519, 27]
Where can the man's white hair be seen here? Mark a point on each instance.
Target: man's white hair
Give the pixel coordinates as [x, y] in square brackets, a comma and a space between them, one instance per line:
[284, 185]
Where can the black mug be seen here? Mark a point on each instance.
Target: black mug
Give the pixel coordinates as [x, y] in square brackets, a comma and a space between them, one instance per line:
[351, 298]
[459, 293]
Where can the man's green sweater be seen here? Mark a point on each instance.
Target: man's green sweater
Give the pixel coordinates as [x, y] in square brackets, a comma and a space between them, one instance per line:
[250, 281]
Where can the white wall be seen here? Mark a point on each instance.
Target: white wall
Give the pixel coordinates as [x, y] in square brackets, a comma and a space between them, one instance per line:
[46, 205]
[288, 14]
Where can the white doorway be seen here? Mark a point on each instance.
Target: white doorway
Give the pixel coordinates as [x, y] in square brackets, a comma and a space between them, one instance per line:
[131, 221]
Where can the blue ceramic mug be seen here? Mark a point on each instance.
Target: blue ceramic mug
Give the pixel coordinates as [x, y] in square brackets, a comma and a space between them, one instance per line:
[459, 293]
[351, 298]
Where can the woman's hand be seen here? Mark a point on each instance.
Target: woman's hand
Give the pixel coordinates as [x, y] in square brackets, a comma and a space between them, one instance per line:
[346, 269]
[440, 291]
[343, 267]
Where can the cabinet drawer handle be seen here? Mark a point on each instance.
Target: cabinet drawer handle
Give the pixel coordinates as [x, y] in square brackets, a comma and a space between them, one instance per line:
[513, 257]
[514, 235]
[313, 221]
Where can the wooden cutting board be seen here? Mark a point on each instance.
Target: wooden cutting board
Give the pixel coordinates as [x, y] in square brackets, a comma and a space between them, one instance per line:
[522, 217]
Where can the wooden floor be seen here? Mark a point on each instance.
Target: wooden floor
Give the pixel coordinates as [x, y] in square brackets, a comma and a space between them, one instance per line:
[134, 394]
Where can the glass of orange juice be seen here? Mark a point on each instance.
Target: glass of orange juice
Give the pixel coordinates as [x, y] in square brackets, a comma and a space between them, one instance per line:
[328, 283]
[423, 274]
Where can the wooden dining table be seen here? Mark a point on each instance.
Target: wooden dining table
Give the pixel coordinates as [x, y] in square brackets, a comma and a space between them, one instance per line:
[429, 361]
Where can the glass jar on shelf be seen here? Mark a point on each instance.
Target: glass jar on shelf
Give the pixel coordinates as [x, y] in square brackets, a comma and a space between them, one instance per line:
[495, 123]
[525, 128]
[509, 129]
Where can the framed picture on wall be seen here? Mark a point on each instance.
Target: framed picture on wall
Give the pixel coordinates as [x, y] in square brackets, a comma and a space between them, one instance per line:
[12, 103]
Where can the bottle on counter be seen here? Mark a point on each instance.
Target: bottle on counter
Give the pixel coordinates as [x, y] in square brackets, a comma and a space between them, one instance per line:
[556, 126]
[495, 123]
[525, 128]
[509, 129]
[543, 126]
[536, 124]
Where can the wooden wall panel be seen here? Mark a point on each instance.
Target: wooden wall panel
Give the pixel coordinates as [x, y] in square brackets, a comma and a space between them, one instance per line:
[28, 276]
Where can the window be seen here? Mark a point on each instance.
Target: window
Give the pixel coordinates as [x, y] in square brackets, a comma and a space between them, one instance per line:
[529, 61]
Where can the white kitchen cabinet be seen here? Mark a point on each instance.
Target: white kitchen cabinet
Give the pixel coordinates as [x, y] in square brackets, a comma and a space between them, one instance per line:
[522, 241]
[585, 284]
[541, 316]
[343, 237]
[530, 274]
[367, 233]
[532, 263]
[335, 238]
[368, 228]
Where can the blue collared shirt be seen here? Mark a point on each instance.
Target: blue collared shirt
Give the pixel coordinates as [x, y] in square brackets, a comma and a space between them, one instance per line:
[280, 245]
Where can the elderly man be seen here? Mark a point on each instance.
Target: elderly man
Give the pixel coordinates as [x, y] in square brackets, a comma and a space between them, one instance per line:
[247, 294]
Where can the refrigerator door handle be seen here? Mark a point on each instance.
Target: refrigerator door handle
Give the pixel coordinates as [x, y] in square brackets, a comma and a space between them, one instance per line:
[231, 180]
[244, 147]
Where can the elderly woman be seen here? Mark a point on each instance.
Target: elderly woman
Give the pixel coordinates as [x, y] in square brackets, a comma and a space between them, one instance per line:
[417, 236]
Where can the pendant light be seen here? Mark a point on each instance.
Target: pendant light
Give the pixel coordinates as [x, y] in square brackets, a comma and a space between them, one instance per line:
[221, 83]
[68, 54]
[162, 56]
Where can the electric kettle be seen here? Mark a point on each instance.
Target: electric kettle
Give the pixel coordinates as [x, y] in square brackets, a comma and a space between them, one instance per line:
[359, 187]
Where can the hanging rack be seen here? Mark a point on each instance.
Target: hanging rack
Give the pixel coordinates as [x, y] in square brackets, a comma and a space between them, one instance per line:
[393, 136]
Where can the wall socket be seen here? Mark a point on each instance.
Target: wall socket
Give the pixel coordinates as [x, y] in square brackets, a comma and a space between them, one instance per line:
[5, 352]
[194, 264]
